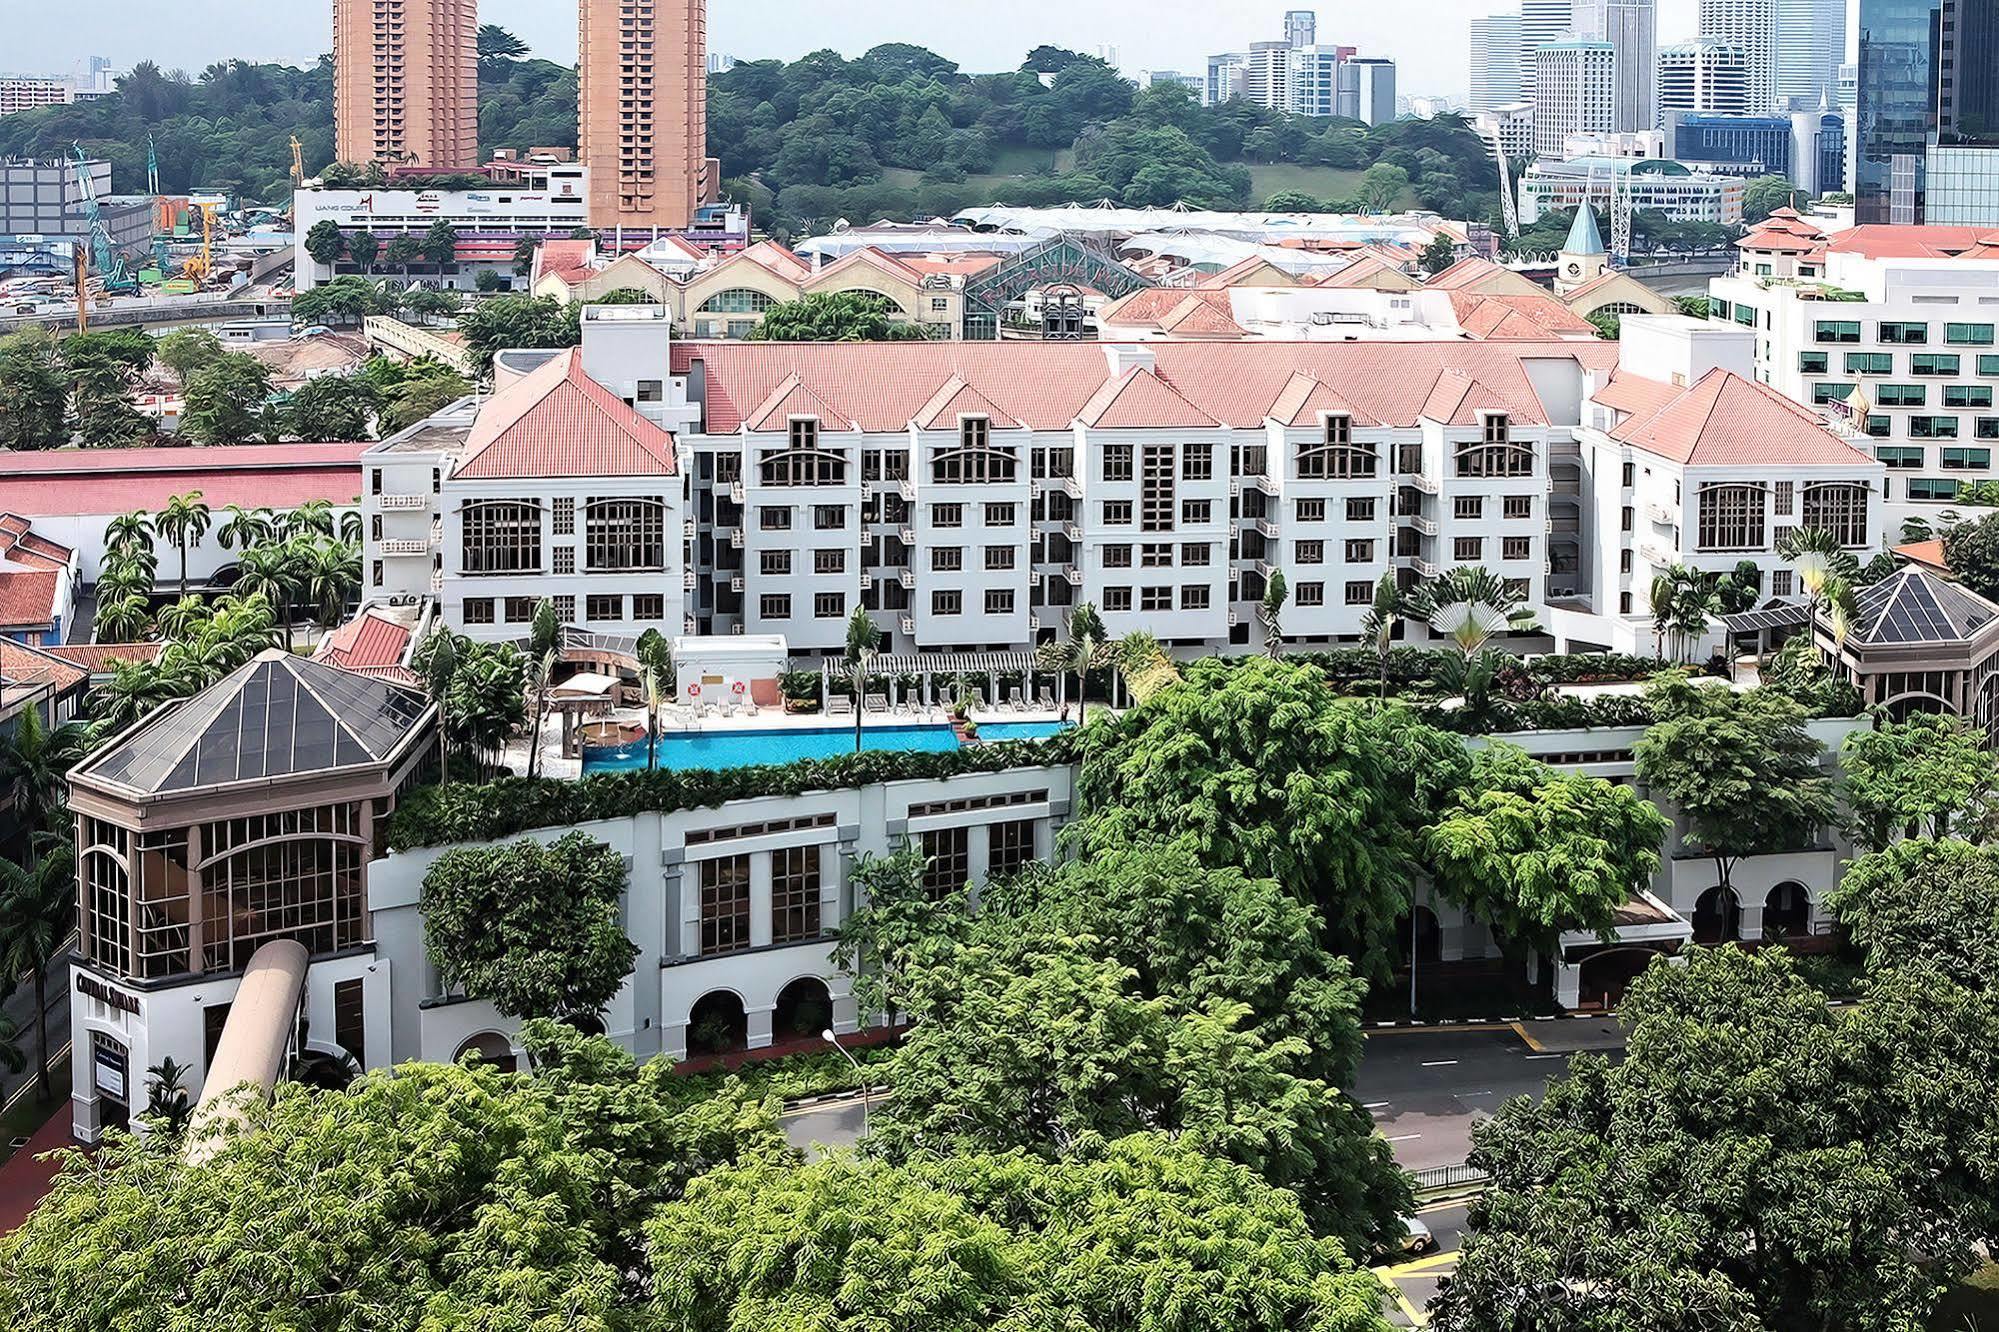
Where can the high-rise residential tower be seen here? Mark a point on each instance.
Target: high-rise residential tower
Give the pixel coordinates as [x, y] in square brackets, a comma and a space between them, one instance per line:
[406, 82]
[1576, 93]
[1495, 63]
[1541, 22]
[643, 111]
[1630, 27]
[1811, 41]
[1301, 27]
[1751, 25]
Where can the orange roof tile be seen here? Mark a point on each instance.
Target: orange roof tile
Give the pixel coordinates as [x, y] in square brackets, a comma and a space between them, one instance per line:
[1194, 318]
[1489, 316]
[1924, 242]
[368, 640]
[1140, 398]
[1306, 398]
[1728, 421]
[21, 664]
[957, 399]
[558, 421]
[793, 399]
[99, 658]
[28, 599]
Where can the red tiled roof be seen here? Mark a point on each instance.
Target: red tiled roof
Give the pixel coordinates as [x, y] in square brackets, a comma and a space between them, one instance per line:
[1149, 305]
[1727, 421]
[792, 399]
[368, 640]
[1239, 274]
[1198, 319]
[1138, 399]
[1924, 242]
[1631, 394]
[866, 257]
[21, 664]
[1305, 398]
[775, 257]
[956, 399]
[1364, 272]
[1488, 316]
[1457, 399]
[1774, 242]
[21, 545]
[569, 260]
[1929, 554]
[99, 658]
[961, 264]
[219, 457]
[1466, 272]
[1047, 386]
[28, 599]
[557, 421]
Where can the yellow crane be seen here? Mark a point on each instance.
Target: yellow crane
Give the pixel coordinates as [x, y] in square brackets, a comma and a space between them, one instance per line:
[81, 253]
[298, 162]
[202, 266]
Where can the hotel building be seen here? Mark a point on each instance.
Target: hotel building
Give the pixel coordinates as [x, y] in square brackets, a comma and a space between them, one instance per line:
[406, 83]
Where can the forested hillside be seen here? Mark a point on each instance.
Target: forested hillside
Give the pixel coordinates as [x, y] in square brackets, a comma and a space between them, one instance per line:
[897, 132]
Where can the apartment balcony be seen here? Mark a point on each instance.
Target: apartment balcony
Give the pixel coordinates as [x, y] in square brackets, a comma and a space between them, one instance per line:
[1427, 526]
[1074, 575]
[399, 503]
[909, 625]
[1266, 529]
[736, 584]
[437, 581]
[907, 535]
[1268, 485]
[1073, 532]
[1423, 566]
[907, 489]
[1655, 554]
[405, 546]
[1429, 485]
[1663, 514]
[1072, 487]
[907, 578]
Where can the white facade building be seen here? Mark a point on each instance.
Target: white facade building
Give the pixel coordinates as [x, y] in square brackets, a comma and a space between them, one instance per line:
[1541, 23]
[1575, 93]
[1751, 25]
[1811, 43]
[1495, 63]
[1266, 75]
[1656, 184]
[1511, 127]
[1224, 77]
[1887, 332]
[1705, 75]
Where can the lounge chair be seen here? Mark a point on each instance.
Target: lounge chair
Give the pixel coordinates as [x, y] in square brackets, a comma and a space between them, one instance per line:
[840, 705]
[1014, 701]
[1047, 699]
[875, 703]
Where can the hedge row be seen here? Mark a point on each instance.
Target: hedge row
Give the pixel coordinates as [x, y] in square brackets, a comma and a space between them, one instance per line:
[463, 812]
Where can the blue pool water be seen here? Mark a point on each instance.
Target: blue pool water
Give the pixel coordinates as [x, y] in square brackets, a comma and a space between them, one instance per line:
[742, 749]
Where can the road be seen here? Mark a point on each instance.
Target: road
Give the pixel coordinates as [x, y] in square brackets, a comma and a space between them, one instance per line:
[19, 1008]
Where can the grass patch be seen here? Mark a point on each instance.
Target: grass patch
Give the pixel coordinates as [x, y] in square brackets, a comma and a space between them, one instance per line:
[29, 1113]
[1323, 182]
[1970, 1306]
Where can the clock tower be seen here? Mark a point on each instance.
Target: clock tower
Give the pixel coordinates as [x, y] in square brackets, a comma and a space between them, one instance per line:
[1583, 258]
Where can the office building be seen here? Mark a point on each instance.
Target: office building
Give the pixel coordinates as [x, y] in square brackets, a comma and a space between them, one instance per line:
[1315, 79]
[1656, 185]
[1751, 25]
[45, 199]
[1630, 27]
[1811, 43]
[1575, 93]
[1266, 75]
[1224, 77]
[1706, 76]
[1905, 361]
[1495, 63]
[1367, 90]
[1301, 27]
[643, 111]
[1193, 83]
[1893, 46]
[1962, 167]
[1807, 147]
[1511, 127]
[1541, 22]
[406, 83]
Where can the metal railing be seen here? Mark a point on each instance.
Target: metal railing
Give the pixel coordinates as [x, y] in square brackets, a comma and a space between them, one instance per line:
[1449, 1177]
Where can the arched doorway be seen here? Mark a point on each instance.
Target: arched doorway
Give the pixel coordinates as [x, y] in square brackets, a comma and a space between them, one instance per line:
[491, 1047]
[1608, 974]
[1717, 917]
[1428, 934]
[717, 1024]
[1787, 913]
[804, 1009]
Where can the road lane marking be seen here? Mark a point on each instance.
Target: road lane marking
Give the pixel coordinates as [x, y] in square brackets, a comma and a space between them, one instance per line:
[1438, 1063]
[1406, 1137]
[1376, 1105]
[1474, 1093]
[1545, 1056]
[1527, 1036]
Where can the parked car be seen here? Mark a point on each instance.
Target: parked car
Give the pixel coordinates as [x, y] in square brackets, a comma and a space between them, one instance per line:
[1419, 1240]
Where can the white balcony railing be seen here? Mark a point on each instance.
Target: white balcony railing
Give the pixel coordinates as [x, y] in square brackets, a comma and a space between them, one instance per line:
[404, 546]
[398, 503]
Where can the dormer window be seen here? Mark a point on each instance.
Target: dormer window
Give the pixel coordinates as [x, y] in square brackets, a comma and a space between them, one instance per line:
[975, 432]
[1335, 456]
[805, 433]
[1496, 428]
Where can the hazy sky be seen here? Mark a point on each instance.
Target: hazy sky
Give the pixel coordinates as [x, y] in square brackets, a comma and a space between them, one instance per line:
[1427, 37]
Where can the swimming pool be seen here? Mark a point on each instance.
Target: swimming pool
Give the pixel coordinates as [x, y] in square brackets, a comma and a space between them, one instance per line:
[742, 749]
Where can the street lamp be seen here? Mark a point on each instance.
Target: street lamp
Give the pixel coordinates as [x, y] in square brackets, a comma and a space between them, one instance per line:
[867, 1093]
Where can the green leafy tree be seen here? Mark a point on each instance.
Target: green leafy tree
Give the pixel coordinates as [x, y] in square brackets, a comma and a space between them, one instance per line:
[898, 928]
[1926, 776]
[440, 244]
[1439, 254]
[1085, 648]
[332, 408]
[186, 351]
[35, 760]
[1146, 1235]
[435, 661]
[1271, 612]
[347, 299]
[324, 242]
[1739, 767]
[1765, 195]
[838, 316]
[403, 251]
[329, 579]
[225, 401]
[524, 252]
[455, 1195]
[364, 249]
[533, 927]
[1382, 187]
[1378, 626]
[1924, 901]
[33, 393]
[1972, 552]
[525, 322]
[1535, 852]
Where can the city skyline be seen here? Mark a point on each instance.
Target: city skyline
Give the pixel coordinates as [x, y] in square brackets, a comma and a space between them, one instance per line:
[1432, 53]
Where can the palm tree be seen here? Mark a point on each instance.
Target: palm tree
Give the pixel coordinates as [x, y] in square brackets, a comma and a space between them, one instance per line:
[1818, 558]
[544, 654]
[1695, 604]
[1380, 621]
[1663, 593]
[329, 576]
[38, 906]
[184, 522]
[272, 574]
[123, 578]
[183, 619]
[166, 1096]
[1088, 648]
[244, 528]
[436, 660]
[1146, 668]
[312, 518]
[863, 646]
[129, 530]
[34, 762]
[124, 620]
[132, 692]
[1271, 613]
[655, 688]
[1470, 605]
[350, 527]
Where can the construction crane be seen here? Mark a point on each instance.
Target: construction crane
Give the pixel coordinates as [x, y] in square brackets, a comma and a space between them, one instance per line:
[109, 264]
[201, 266]
[298, 162]
[162, 222]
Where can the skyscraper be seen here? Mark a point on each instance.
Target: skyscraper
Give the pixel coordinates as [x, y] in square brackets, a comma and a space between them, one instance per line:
[406, 82]
[1962, 168]
[1266, 76]
[1895, 105]
[1301, 27]
[643, 110]
[1631, 29]
[1541, 22]
[1811, 41]
[1751, 25]
[1704, 76]
[1576, 92]
[1495, 63]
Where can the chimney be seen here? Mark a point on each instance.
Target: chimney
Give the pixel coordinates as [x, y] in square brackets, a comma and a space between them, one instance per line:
[1128, 356]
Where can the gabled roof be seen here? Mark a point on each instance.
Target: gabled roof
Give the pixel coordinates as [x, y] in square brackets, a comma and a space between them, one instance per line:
[558, 421]
[102, 658]
[1488, 316]
[1914, 605]
[1306, 398]
[23, 548]
[954, 399]
[792, 399]
[1370, 272]
[21, 664]
[1255, 271]
[1194, 318]
[1930, 241]
[370, 640]
[776, 258]
[1584, 239]
[1148, 306]
[279, 716]
[1725, 420]
[1473, 273]
[1637, 291]
[28, 598]
[865, 257]
[570, 260]
[1457, 399]
[1140, 398]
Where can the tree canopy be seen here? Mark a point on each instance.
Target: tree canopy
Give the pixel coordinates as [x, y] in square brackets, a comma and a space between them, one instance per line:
[1924, 900]
[1926, 776]
[839, 316]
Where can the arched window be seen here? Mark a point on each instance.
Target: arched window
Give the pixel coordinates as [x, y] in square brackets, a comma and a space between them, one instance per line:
[625, 535]
[1495, 452]
[108, 891]
[290, 875]
[737, 300]
[1840, 507]
[801, 465]
[1732, 517]
[991, 465]
[1336, 455]
[501, 536]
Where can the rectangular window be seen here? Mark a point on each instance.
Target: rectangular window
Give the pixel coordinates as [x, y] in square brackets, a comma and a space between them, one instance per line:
[350, 1019]
[1933, 364]
[1001, 515]
[1495, 452]
[1879, 427]
[1933, 427]
[1986, 427]
[1784, 499]
[1839, 507]
[478, 610]
[1197, 462]
[947, 559]
[1630, 475]
[520, 610]
[1117, 598]
[604, 608]
[1813, 362]
[774, 518]
[1117, 513]
[1745, 315]
[829, 561]
[1836, 330]
[1898, 457]
[1967, 395]
[1155, 598]
[1932, 488]
[649, 607]
[1782, 582]
[1336, 455]
[1468, 549]
[1196, 512]
[947, 515]
[1516, 548]
[565, 608]
[999, 601]
[725, 905]
[774, 606]
[1196, 554]
[562, 516]
[1732, 516]
[1968, 335]
[1988, 365]
[947, 601]
[1117, 557]
[1825, 393]
[1468, 507]
[565, 559]
[1358, 511]
[794, 894]
[1625, 519]
[1009, 848]
[829, 605]
[1517, 506]
[947, 861]
[1000, 557]
[1156, 488]
[1865, 363]
[1195, 596]
[1312, 594]
[1118, 462]
[1309, 552]
[774, 563]
[1903, 333]
[1360, 594]
[1359, 552]
[1901, 395]
[829, 517]
[1967, 460]
[502, 536]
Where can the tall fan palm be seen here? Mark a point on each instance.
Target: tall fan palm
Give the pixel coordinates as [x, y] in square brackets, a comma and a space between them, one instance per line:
[312, 518]
[183, 522]
[244, 528]
[129, 530]
[1818, 557]
[1471, 605]
[34, 762]
[1663, 594]
[329, 576]
[1271, 613]
[863, 646]
[38, 906]
[1380, 621]
[656, 693]
[1088, 648]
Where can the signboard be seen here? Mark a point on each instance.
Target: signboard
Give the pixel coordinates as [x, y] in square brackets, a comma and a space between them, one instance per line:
[110, 1072]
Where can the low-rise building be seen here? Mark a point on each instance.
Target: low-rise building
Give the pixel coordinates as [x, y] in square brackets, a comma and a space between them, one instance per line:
[38, 584]
[1655, 184]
